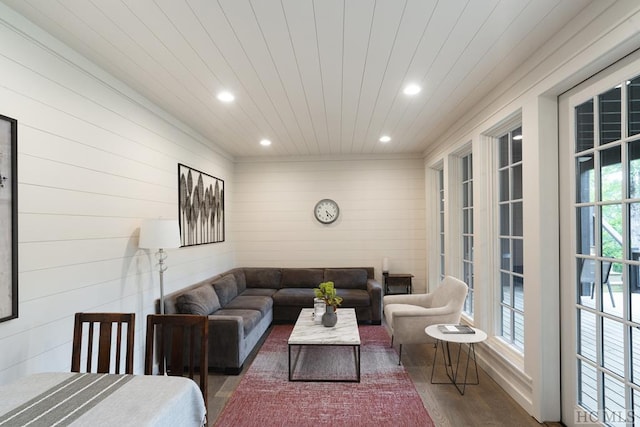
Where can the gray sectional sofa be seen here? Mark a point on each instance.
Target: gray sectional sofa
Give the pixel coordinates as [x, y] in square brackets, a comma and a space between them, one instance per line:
[243, 302]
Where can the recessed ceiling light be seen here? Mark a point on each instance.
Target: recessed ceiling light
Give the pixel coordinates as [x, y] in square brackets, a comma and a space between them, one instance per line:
[385, 138]
[411, 89]
[226, 96]
[265, 142]
[517, 137]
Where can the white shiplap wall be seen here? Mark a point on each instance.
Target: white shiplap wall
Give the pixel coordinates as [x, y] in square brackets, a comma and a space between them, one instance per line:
[94, 158]
[382, 213]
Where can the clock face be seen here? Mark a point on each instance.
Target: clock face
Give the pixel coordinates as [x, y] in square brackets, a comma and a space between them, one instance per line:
[326, 211]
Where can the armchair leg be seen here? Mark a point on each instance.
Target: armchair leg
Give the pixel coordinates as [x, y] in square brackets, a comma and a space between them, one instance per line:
[400, 354]
[391, 341]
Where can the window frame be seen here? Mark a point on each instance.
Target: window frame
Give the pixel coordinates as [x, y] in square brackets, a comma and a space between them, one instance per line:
[511, 236]
[467, 233]
[489, 152]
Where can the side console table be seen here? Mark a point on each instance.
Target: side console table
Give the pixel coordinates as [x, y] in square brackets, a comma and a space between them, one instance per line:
[397, 281]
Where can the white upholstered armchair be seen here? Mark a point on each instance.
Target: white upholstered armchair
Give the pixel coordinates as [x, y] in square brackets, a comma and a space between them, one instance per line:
[408, 315]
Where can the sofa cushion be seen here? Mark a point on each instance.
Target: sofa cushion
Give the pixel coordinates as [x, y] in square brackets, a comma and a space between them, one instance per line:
[202, 300]
[263, 277]
[346, 278]
[250, 318]
[226, 288]
[301, 297]
[260, 303]
[302, 277]
[354, 298]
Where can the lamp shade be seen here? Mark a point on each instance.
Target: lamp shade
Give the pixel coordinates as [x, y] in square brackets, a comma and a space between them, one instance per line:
[159, 233]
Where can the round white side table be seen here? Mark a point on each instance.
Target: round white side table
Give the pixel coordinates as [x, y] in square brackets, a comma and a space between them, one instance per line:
[443, 340]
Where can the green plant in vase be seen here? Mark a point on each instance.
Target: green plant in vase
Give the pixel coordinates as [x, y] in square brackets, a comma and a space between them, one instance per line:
[327, 292]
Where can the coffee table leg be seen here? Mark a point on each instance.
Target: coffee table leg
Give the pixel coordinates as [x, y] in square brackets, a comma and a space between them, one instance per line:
[289, 362]
[293, 367]
[356, 355]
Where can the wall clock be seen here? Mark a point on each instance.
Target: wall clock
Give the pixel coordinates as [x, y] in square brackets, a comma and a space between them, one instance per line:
[326, 211]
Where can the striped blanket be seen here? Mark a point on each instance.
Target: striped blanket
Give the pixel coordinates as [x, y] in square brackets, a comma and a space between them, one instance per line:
[65, 402]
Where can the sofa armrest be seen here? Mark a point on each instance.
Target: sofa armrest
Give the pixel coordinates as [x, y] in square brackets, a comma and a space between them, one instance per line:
[225, 336]
[375, 294]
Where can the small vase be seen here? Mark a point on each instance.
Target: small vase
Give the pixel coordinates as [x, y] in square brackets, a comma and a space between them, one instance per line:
[330, 318]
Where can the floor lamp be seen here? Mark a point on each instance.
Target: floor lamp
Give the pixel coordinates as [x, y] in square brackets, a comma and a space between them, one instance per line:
[160, 234]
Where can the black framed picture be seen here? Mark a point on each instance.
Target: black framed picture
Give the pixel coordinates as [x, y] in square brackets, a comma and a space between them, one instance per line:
[200, 207]
[8, 218]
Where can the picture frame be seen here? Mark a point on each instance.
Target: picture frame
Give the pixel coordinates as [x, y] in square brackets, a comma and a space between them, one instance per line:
[8, 218]
[201, 213]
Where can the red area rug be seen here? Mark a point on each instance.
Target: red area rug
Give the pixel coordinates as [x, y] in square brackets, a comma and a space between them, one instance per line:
[385, 396]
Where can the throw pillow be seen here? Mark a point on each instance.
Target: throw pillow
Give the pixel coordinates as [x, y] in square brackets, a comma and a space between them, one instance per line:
[241, 281]
[226, 288]
[202, 300]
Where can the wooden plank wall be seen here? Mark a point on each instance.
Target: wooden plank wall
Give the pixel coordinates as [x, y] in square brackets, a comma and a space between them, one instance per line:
[94, 159]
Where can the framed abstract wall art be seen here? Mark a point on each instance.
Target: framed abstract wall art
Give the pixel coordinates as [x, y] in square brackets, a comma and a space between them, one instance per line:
[200, 207]
[8, 218]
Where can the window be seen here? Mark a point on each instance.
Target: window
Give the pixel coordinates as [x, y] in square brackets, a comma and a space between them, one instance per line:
[441, 219]
[510, 241]
[607, 249]
[467, 229]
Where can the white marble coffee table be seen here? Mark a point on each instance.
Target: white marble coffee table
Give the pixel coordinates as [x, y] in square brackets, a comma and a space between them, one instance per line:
[308, 333]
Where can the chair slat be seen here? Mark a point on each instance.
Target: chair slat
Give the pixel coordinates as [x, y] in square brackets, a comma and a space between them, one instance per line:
[90, 348]
[104, 322]
[104, 349]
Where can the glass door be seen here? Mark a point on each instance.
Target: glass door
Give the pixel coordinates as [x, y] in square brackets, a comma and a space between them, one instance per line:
[600, 231]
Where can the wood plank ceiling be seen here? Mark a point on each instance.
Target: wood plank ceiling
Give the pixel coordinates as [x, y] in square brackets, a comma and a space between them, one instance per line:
[316, 77]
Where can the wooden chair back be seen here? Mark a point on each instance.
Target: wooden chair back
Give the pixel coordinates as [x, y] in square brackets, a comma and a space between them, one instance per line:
[105, 343]
[181, 343]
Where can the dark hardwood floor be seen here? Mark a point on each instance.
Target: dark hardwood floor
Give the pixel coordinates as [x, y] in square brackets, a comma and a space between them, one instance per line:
[485, 404]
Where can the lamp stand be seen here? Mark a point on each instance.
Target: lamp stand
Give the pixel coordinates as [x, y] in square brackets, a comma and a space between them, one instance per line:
[161, 255]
